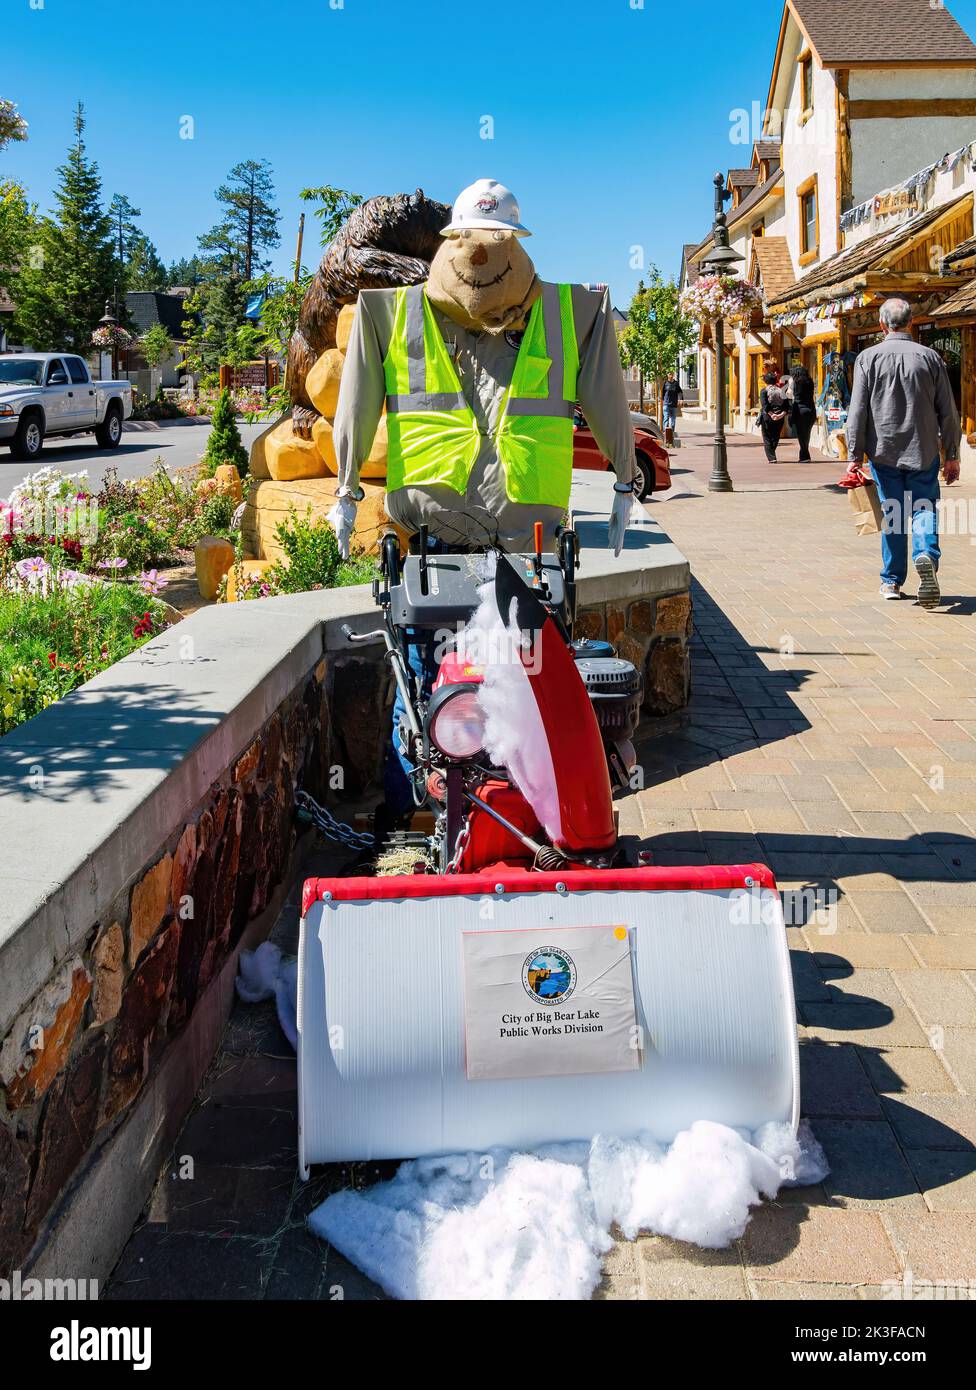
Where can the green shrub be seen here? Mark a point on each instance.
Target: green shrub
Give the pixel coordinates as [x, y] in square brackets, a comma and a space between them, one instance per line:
[224, 443]
[313, 558]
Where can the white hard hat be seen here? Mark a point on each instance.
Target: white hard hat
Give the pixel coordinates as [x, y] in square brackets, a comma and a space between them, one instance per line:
[486, 205]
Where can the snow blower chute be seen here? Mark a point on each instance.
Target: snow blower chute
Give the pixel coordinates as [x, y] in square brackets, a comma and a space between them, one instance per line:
[531, 980]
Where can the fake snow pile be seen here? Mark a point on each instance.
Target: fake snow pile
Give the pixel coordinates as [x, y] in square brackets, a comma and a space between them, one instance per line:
[537, 1225]
[514, 734]
[262, 974]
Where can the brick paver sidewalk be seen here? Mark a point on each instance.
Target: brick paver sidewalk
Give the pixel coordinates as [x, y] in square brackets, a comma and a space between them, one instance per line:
[848, 764]
[831, 735]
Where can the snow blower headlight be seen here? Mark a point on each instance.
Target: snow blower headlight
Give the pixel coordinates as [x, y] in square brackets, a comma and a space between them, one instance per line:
[456, 722]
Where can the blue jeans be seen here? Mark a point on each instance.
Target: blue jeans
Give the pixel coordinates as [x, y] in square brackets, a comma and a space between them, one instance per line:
[422, 659]
[905, 493]
[670, 416]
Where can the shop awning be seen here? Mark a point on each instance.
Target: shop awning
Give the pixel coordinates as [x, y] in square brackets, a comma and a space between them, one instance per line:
[960, 305]
[855, 276]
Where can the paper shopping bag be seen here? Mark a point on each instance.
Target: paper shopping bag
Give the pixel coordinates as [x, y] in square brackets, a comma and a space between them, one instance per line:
[866, 505]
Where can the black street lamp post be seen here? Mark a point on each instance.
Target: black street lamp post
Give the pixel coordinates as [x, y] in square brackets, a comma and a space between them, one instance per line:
[721, 261]
[109, 320]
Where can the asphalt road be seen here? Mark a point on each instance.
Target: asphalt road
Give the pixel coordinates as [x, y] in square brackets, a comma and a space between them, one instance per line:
[142, 444]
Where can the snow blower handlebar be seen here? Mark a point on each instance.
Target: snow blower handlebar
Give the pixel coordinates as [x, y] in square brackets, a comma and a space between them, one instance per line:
[400, 673]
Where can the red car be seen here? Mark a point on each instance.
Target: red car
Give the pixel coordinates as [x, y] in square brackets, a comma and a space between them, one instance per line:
[653, 462]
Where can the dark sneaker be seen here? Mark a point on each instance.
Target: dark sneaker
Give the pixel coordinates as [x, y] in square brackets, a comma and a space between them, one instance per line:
[929, 593]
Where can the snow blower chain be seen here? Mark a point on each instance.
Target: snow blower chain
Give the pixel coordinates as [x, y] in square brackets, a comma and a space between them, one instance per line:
[323, 820]
[461, 844]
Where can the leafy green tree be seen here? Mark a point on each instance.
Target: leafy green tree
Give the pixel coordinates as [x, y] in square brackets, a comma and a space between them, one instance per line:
[156, 345]
[62, 287]
[337, 204]
[12, 124]
[224, 444]
[219, 306]
[657, 332]
[18, 220]
[249, 225]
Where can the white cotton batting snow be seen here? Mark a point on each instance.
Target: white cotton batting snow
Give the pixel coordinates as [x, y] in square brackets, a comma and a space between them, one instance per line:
[515, 737]
[537, 1225]
[263, 974]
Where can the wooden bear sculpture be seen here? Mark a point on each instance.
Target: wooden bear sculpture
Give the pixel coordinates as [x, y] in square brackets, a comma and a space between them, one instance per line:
[387, 241]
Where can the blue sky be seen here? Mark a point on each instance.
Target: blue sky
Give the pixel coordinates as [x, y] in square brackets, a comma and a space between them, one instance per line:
[609, 120]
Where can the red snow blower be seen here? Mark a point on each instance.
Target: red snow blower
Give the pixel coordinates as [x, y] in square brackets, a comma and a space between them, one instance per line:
[517, 976]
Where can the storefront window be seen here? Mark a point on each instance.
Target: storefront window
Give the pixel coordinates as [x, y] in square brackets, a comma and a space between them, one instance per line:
[948, 344]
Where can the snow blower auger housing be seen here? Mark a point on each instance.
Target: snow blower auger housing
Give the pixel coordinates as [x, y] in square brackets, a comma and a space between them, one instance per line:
[530, 980]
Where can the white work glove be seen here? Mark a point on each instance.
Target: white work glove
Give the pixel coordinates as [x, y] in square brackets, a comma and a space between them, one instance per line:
[623, 506]
[342, 519]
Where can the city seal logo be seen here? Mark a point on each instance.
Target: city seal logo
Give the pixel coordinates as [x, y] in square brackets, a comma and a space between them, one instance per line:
[548, 975]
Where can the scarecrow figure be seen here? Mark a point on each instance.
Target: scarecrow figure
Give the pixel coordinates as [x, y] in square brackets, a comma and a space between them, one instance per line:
[479, 370]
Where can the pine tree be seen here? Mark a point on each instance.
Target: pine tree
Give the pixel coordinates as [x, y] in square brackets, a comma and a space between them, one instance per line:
[250, 222]
[187, 272]
[62, 288]
[224, 444]
[145, 270]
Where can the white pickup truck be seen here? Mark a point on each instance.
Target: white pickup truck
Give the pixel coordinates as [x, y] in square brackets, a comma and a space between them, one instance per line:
[46, 393]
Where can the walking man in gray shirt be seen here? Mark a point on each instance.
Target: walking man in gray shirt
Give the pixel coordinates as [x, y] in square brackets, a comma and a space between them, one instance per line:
[902, 409]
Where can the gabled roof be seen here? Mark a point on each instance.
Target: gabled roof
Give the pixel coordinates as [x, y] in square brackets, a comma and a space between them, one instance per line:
[766, 149]
[748, 205]
[772, 254]
[845, 32]
[742, 178]
[870, 33]
[874, 253]
[687, 264]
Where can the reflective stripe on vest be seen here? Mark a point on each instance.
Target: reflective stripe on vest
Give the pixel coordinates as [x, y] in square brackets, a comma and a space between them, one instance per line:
[433, 433]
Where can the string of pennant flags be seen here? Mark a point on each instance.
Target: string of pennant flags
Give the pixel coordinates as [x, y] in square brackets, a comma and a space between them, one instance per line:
[901, 195]
[829, 310]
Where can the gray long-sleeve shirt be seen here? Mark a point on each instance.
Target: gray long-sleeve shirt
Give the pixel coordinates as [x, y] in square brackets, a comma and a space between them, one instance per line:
[902, 406]
[484, 363]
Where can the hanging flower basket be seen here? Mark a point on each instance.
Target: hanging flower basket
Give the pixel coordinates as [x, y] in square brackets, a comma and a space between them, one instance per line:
[110, 335]
[720, 297]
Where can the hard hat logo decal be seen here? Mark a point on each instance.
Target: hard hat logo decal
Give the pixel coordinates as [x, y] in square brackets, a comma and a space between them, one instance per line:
[548, 975]
[487, 203]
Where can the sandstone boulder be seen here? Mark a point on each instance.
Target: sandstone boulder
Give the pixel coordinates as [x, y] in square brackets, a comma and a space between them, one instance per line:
[269, 504]
[322, 439]
[258, 466]
[289, 457]
[248, 569]
[344, 324]
[214, 557]
[322, 382]
[228, 481]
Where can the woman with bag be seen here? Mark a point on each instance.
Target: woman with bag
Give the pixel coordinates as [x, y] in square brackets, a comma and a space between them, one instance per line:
[773, 407]
[803, 410]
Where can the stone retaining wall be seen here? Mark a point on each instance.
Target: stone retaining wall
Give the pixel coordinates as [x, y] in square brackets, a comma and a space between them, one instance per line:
[147, 823]
[652, 633]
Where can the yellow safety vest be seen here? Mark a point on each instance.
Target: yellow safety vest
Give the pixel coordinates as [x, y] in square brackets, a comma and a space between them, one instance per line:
[433, 434]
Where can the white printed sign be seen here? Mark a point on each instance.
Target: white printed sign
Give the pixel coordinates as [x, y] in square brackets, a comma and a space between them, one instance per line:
[554, 1002]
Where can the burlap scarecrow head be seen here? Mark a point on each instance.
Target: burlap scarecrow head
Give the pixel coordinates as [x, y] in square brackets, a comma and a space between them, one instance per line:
[483, 280]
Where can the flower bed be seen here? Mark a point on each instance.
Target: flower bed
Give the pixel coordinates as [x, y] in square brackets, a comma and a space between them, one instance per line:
[58, 628]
